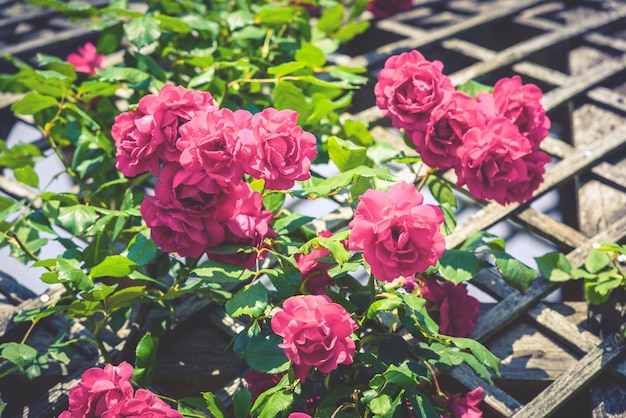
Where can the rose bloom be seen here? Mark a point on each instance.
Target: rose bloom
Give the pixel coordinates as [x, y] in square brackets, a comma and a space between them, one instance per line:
[457, 309]
[99, 391]
[385, 8]
[409, 87]
[182, 232]
[283, 151]
[172, 107]
[188, 190]
[147, 136]
[499, 163]
[315, 272]
[520, 104]
[464, 406]
[398, 234]
[447, 124]
[144, 404]
[299, 415]
[87, 60]
[316, 333]
[244, 220]
[136, 151]
[217, 142]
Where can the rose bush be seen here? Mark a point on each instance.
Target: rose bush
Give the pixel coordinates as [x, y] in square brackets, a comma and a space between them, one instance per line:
[191, 156]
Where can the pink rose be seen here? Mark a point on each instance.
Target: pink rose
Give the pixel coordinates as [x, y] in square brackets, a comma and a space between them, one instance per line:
[521, 105]
[144, 404]
[398, 234]
[245, 221]
[464, 406]
[315, 272]
[147, 136]
[181, 232]
[458, 310]
[217, 142]
[299, 415]
[87, 60]
[171, 108]
[136, 150]
[100, 390]
[385, 8]
[409, 87]
[499, 163]
[187, 190]
[447, 124]
[316, 333]
[283, 151]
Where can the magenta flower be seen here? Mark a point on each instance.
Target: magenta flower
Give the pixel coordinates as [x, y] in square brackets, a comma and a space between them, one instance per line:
[464, 406]
[315, 272]
[385, 8]
[409, 88]
[87, 60]
[457, 309]
[398, 234]
[500, 163]
[283, 151]
[316, 333]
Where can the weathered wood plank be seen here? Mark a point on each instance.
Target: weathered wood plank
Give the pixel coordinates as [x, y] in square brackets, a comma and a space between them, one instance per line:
[570, 383]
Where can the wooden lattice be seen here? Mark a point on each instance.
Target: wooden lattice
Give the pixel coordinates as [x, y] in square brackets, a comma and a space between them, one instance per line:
[575, 50]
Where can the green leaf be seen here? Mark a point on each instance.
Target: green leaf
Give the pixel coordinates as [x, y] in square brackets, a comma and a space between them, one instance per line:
[113, 266]
[126, 297]
[592, 295]
[27, 175]
[596, 261]
[472, 88]
[339, 181]
[384, 305]
[276, 403]
[214, 405]
[349, 31]
[331, 19]
[514, 271]
[441, 191]
[99, 292]
[381, 404]
[77, 218]
[414, 316]
[449, 219]
[68, 272]
[480, 353]
[608, 280]
[265, 356]
[32, 103]
[171, 24]
[22, 355]
[286, 281]
[345, 154]
[141, 249]
[421, 403]
[289, 223]
[131, 75]
[554, 267]
[458, 266]
[311, 56]
[215, 272]
[242, 403]
[288, 96]
[142, 31]
[358, 133]
[286, 68]
[251, 300]
[145, 360]
[274, 201]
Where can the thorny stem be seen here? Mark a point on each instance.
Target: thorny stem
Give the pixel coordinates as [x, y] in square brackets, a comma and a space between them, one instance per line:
[422, 182]
[15, 239]
[432, 372]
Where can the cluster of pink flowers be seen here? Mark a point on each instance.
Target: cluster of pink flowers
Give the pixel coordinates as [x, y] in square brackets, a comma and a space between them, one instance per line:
[492, 142]
[107, 393]
[200, 154]
[399, 235]
[86, 60]
[464, 406]
[316, 333]
[458, 311]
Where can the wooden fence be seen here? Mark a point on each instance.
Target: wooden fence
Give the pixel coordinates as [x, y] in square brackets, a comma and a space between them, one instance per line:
[552, 364]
